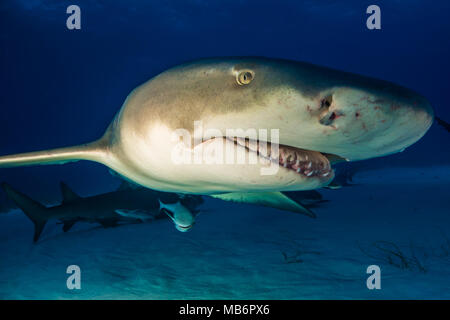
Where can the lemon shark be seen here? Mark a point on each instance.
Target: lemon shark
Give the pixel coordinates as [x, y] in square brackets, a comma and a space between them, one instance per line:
[315, 115]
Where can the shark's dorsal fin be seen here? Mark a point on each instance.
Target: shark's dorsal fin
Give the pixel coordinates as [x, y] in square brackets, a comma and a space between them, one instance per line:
[268, 199]
[67, 194]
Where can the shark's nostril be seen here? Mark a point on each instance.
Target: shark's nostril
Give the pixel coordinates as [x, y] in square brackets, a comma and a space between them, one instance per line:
[332, 116]
[328, 118]
[326, 102]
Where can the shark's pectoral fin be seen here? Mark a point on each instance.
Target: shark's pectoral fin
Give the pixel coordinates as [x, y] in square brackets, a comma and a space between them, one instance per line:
[94, 151]
[268, 199]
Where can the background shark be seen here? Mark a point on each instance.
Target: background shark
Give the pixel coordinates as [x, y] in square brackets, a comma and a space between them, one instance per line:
[128, 204]
[100, 208]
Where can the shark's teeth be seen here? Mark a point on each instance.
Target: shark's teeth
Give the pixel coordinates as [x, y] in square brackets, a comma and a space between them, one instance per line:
[306, 162]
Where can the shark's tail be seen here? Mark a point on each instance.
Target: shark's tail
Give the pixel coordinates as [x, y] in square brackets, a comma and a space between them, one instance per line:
[37, 213]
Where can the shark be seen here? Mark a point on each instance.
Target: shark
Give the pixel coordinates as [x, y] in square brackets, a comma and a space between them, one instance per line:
[127, 204]
[306, 119]
[183, 219]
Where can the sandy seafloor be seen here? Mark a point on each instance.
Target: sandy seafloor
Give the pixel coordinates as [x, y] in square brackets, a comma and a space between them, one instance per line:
[238, 251]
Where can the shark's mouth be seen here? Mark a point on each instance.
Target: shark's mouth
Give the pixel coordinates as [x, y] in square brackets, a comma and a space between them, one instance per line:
[304, 162]
[183, 228]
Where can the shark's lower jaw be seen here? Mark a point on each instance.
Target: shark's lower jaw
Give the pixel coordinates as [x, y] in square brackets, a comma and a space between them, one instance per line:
[305, 162]
[308, 163]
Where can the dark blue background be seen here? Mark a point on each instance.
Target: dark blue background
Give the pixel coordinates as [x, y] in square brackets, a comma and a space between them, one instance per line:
[60, 87]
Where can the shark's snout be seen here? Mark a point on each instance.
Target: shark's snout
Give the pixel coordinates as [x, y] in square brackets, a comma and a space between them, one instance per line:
[365, 123]
[410, 121]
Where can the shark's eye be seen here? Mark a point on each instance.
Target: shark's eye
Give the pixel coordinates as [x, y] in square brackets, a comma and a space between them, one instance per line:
[244, 77]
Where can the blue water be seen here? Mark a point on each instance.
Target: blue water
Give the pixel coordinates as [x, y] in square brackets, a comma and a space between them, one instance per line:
[61, 87]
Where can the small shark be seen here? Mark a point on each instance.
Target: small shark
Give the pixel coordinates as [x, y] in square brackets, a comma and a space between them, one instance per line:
[322, 116]
[183, 219]
[129, 204]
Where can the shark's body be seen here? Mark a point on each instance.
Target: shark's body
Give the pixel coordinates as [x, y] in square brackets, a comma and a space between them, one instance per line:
[105, 209]
[322, 115]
